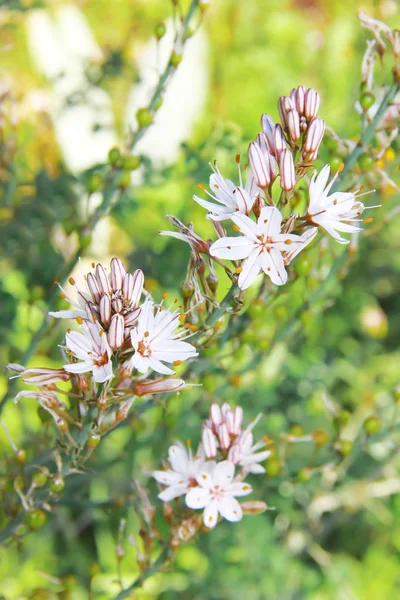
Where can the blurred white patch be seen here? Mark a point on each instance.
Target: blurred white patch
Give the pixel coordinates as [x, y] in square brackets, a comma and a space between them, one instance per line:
[183, 101]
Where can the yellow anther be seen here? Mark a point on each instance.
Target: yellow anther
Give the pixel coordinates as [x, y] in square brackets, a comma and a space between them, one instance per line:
[182, 318]
[146, 334]
[238, 270]
[341, 167]
[390, 155]
[201, 186]
[193, 327]
[79, 320]
[177, 363]
[165, 295]
[236, 228]
[71, 280]
[237, 158]
[288, 242]
[368, 220]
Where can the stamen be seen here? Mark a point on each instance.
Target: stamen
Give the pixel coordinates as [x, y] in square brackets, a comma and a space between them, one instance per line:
[177, 363]
[79, 320]
[201, 186]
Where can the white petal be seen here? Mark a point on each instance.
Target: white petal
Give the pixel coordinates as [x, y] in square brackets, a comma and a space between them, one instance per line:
[167, 477]
[80, 367]
[223, 474]
[269, 222]
[174, 491]
[210, 515]
[233, 248]
[230, 509]
[246, 225]
[197, 497]
[158, 366]
[205, 479]
[240, 488]
[273, 266]
[216, 209]
[103, 373]
[250, 269]
[179, 458]
[78, 344]
[68, 314]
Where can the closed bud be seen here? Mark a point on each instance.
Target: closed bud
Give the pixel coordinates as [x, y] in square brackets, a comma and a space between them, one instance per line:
[105, 309]
[144, 117]
[133, 286]
[102, 279]
[223, 436]
[267, 125]
[215, 416]
[158, 386]
[282, 111]
[132, 317]
[279, 140]
[212, 281]
[253, 507]
[187, 289]
[311, 106]
[367, 99]
[115, 334]
[57, 484]
[286, 170]
[93, 440]
[93, 287]
[209, 442]
[118, 273]
[44, 376]
[298, 97]
[293, 121]
[259, 164]
[315, 133]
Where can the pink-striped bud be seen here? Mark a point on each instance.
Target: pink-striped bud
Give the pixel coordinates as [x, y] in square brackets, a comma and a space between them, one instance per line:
[158, 386]
[311, 106]
[135, 287]
[298, 98]
[284, 105]
[237, 420]
[118, 273]
[286, 170]
[223, 436]
[225, 408]
[253, 507]
[105, 309]
[44, 376]
[115, 334]
[15, 368]
[315, 133]
[132, 317]
[234, 454]
[102, 279]
[260, 165]
[293, 121]
[209, 442]
[117, 305]
[268, 125]
[279, 140]
[215, 416]
[93, 286]
[262, 141]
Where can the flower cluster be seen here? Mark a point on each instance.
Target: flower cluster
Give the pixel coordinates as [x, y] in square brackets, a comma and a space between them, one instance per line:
[269, 241]
[209, 479]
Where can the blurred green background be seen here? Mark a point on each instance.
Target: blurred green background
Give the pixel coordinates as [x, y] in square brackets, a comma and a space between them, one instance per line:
[343, 343]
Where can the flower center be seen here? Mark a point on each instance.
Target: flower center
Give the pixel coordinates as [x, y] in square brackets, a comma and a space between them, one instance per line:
[144, 350]
[216, 492]
[102, 360]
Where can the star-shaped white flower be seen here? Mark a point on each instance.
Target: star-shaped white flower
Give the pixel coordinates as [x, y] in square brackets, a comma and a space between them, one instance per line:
[261, 244]
[216, 493]
[229, 198]
[155, 340]
[333, 212]
[245, 453]
[92, 348]
[182, 476]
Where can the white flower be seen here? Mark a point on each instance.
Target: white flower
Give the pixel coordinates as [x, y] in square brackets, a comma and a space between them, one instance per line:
[245, 453]
[155, 340]
[230, 198]
[332, 212]
[216, 493]
[182, 476]
[261, 244]
[92, 348]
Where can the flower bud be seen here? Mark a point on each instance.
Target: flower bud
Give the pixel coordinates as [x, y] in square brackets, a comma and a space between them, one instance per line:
[215, 416]
[93, 286]
[133, 286]
[44, 376]
[115, 334]
[268, 125]
[279, 140]
[223, 436]
[367, 99]
[311, 106]
[158, 386]
[118, 273]
[282, 110]
[260, 165]
[298, 97]
[286, 170]
[315, 133]
[144, 117]
[253, 507]
[105, 309]
[102, 279]
[209, 442]
[293, 121]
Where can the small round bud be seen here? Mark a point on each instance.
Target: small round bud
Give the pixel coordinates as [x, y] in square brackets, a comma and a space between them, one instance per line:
[35, 519]
[130, 163]
[367, 99]
[363, 87]
[335, 163]
[57, 484]
[296, 430]
[320, 437]
[94, 182]
[39, 479]
[304, 475]
[93, 440]
[144, 117]
[114, 156]
[176, 59]
[372, 425]
[365, 162]
[345, 447]
[21, 456]
[160, 30]
[273, 466]
[124, 180]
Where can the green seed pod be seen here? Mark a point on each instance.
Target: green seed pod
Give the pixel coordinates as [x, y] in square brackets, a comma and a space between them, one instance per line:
[114, 156]
[345, 447]
[176, 59]
[273, 466]
[124, 180]
[39, 479]
[372, 425]
[57, 484]
[35, 519]
[304, 475]
[343, 418]
[93, 440]
[367, 99]
[144, 117]
[160, 30]
[365, 162]
[94, 183]
[335, 163]
[21, 456]
[320, 437]
[130, 163]
[187, 290]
